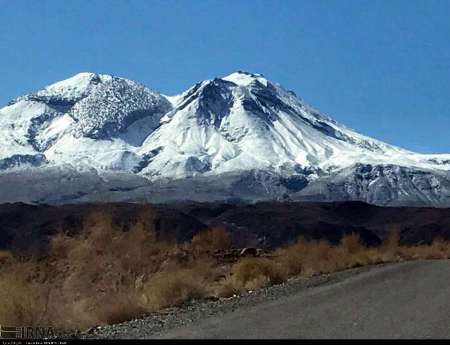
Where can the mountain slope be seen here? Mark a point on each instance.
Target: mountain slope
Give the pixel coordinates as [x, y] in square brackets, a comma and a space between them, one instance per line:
[241, 127]
[81, 121]
[244, 122]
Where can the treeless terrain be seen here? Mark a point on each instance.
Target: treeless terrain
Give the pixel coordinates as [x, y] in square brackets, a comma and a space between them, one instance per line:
[108, 271]
[265, 225]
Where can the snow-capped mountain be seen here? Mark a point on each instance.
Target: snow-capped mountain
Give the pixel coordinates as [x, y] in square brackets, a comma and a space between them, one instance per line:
[241, 128]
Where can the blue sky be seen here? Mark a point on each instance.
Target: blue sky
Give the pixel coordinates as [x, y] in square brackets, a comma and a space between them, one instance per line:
[381, 67]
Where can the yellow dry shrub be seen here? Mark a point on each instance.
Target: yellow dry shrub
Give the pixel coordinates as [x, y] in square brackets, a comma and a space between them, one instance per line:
[24, 298]
[211, 240]
[177, 285]
[253, 273]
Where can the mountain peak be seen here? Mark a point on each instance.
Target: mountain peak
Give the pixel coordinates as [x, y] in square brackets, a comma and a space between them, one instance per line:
[78, 81]
[73, 88]
[239, 121]
[243, 78]
[252, 132]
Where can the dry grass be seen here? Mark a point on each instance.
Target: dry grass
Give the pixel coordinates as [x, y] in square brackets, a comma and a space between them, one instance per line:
[320, 257]
[210, 241]
[103, 275]
[5, 255]
[316, 257]
[108, 275]
[254, 273]
[24, 295]
[173, 287]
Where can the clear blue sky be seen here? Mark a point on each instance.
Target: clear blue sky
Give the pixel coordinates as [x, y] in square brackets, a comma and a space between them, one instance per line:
[381, 67]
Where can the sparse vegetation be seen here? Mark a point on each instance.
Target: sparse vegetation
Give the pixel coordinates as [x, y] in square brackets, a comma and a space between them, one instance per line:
[106, 274]
[172, 287]
[5, 255]
[254, 273]
[212, 240]
[103, 275]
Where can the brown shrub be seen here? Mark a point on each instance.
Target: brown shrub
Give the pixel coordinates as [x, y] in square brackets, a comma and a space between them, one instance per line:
[292, 257]
[253, 273]
[443, 247]
[5, 255]
[211, 240]
[349, 253]
[313, 257]
[119, 307]
[352, 243]
[172, 287]
[391, 244]
[320, 257]
[24, 299]
[438, 249]
[100, 273]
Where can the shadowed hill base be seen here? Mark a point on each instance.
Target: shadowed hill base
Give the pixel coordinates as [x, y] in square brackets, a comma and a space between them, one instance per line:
[27, 227]
[272, 224]
[265, 225]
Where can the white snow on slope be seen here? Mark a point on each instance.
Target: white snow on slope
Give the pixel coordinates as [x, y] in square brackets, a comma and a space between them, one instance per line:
[238, 122]
[14, 123]
[245, 79]
[74, 87]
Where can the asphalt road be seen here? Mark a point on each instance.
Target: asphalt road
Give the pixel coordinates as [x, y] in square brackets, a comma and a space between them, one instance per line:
[405, 300]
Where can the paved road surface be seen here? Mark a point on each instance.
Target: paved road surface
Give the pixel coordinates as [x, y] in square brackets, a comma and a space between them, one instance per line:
[406, 300]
